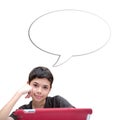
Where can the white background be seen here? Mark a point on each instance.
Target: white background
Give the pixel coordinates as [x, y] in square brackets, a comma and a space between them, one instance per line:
[90, 81]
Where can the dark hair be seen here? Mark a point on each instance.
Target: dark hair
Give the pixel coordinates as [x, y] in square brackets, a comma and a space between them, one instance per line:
[41, 72]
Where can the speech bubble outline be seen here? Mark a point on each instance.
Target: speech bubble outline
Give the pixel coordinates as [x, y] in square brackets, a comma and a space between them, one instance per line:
[68, 11]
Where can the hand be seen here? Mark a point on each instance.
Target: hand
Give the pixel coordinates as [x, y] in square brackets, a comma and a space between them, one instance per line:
[28, 95]
[26, 89]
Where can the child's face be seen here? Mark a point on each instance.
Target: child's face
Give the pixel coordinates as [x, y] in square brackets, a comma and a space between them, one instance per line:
[40, 89]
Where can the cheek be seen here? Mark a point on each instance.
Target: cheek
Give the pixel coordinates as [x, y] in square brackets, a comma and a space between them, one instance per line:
[33, 90]
[47, 92]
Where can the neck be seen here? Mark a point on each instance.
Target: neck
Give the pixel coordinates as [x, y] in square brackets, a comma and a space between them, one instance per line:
[38, 104]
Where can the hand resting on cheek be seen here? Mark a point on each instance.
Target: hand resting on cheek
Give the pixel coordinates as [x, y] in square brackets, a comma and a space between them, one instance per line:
[26, 89]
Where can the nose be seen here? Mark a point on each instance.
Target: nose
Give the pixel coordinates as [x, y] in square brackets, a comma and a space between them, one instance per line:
[39, 90]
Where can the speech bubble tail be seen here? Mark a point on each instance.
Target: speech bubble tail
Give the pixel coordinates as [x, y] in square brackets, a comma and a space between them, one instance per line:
[61, 60]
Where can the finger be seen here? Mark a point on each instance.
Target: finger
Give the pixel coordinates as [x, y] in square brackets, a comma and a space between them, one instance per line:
[28, 95]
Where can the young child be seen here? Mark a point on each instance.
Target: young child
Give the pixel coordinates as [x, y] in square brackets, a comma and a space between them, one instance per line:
[38, 87]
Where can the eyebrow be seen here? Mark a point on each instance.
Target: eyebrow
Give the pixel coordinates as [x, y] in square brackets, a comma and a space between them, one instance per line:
[35, 83]
[38, 83]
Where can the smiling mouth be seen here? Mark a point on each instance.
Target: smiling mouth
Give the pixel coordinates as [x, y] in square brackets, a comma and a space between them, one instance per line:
[38, 97]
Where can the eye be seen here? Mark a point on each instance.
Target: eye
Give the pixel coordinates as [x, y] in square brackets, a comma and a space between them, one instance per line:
[45, 87]
[35, 85]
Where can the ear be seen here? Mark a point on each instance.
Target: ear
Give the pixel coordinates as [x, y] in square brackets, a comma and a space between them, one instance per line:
[50, 88]
[27, 82]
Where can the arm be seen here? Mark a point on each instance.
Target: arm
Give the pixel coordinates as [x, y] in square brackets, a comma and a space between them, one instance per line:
[5, 111]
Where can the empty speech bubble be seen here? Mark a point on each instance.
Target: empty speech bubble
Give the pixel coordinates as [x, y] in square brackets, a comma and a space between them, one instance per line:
[68, 33]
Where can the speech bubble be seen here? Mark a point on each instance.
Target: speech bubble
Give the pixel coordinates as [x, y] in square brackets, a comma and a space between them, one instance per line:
[69, 33]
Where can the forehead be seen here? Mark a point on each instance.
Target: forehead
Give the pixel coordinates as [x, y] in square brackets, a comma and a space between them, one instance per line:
[41, 81]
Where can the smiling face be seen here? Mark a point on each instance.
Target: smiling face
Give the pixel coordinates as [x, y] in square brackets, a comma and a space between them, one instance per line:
[40, 90]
